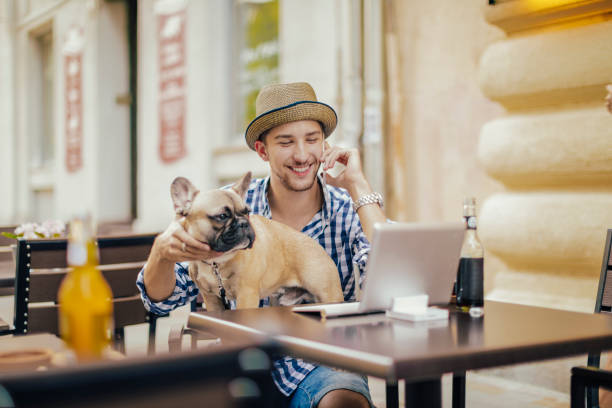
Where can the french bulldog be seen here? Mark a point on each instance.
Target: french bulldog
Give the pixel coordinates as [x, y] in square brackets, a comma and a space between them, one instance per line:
[261, 257]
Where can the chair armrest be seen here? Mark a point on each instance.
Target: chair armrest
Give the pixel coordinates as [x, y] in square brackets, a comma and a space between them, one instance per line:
[175, 338]
[593, 376]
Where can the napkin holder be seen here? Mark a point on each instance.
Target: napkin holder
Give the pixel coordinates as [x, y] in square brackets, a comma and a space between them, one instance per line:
[415, 309]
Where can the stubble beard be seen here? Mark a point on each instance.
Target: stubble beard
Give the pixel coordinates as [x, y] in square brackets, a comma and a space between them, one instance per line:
[285, 179]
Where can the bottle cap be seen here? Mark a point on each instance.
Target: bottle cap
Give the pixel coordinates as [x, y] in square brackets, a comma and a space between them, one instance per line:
[469, 206]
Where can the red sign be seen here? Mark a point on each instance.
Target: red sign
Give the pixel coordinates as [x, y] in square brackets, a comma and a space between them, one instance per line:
[172, 98]
[73, 92]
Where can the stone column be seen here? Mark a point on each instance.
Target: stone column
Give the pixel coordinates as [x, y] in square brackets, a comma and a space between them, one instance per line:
[552, 151]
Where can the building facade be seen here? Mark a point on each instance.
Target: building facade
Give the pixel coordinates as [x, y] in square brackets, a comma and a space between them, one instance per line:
[105, 102]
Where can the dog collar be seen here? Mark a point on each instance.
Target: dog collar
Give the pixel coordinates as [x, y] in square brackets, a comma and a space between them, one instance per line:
[215, 268]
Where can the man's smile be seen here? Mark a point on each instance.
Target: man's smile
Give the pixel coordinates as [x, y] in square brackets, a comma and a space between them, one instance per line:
[301, 171]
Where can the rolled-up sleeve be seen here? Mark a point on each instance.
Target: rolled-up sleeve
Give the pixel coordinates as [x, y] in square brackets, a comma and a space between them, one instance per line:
[184, 291]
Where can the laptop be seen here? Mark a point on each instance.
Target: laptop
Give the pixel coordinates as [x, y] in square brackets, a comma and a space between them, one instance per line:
[405, 259]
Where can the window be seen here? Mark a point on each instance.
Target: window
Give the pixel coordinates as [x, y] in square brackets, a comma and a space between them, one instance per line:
[255, 54]
[41, 126]
[43, 138]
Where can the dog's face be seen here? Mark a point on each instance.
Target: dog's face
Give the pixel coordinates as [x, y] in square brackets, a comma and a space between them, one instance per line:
[217, 217]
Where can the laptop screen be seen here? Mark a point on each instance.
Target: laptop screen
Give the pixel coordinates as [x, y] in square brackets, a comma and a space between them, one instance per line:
[411, 259]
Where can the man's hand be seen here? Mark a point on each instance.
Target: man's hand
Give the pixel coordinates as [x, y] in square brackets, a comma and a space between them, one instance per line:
[354, 181]
[176, 245]
[352, 174]
[171, 246]
[609, 98]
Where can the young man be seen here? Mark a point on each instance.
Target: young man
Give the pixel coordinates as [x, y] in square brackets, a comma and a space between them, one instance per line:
[289, 133]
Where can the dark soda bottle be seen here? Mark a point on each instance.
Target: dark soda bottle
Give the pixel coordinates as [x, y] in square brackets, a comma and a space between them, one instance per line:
[469, 286]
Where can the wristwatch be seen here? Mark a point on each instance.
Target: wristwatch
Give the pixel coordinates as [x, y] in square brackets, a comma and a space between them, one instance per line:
[372, 198]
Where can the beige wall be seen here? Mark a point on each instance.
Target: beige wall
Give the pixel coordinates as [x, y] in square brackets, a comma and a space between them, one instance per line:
[7, 76]
[512, 114]
[443, 106]
[552, 151]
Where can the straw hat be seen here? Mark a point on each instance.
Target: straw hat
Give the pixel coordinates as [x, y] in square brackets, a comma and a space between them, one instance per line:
[278, 104]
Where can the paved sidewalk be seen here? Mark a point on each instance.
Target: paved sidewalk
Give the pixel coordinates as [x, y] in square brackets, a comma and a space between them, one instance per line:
[485, 391]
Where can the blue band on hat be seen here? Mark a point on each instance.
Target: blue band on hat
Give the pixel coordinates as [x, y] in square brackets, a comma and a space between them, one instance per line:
[285, 107]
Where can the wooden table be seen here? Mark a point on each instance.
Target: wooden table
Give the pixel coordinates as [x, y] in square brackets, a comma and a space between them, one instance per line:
[50, 341]
[62, 356]
[420, 352]
[31, 352]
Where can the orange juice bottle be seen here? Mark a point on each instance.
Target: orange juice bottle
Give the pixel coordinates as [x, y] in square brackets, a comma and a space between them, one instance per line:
[85, 299]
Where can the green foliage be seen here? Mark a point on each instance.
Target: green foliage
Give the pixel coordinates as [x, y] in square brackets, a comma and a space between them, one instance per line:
[262, 23]
[261, 43]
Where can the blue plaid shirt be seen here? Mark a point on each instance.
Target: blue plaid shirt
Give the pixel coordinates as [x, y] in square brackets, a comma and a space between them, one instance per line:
[336, 227]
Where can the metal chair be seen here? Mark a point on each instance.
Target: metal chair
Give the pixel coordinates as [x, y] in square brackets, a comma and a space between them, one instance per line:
[41, 267]
[587, 380]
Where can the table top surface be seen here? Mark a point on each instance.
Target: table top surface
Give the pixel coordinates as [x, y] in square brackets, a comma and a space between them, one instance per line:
[392, 348]
[40, 340]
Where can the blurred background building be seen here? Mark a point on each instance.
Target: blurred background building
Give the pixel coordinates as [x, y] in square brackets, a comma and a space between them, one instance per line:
[104, 102]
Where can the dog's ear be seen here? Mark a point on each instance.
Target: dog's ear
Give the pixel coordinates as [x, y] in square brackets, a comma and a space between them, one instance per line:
[182, 192]
[242, 185]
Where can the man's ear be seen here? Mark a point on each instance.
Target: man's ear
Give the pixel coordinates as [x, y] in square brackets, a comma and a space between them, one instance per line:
[242, 185]
[260, 148]
[183, 193]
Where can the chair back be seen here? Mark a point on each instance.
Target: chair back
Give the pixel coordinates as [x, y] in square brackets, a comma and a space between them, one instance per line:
[7, 263]
[115, 228]
[603, 303]
[604, 292]
[6, 241]
[41, 267]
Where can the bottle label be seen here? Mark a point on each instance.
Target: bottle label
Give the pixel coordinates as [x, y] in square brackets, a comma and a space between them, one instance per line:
[470, 282]
[76, 255]
[470, 222]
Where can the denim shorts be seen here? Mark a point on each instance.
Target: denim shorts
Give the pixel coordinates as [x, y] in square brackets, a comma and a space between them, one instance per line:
[322, 380]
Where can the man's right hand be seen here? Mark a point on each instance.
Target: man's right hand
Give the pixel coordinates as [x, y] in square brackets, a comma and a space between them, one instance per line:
[176, 245]
[172, 246]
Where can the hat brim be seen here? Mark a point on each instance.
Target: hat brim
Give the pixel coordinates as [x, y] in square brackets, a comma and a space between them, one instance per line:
[303, 110]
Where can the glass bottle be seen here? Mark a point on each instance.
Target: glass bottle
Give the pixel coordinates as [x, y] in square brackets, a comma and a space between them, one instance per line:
[469, 287]
[85, 298]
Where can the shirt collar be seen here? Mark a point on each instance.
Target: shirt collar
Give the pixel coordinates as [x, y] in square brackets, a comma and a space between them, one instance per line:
[265, 204]
[327, 202]
[325, 209]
